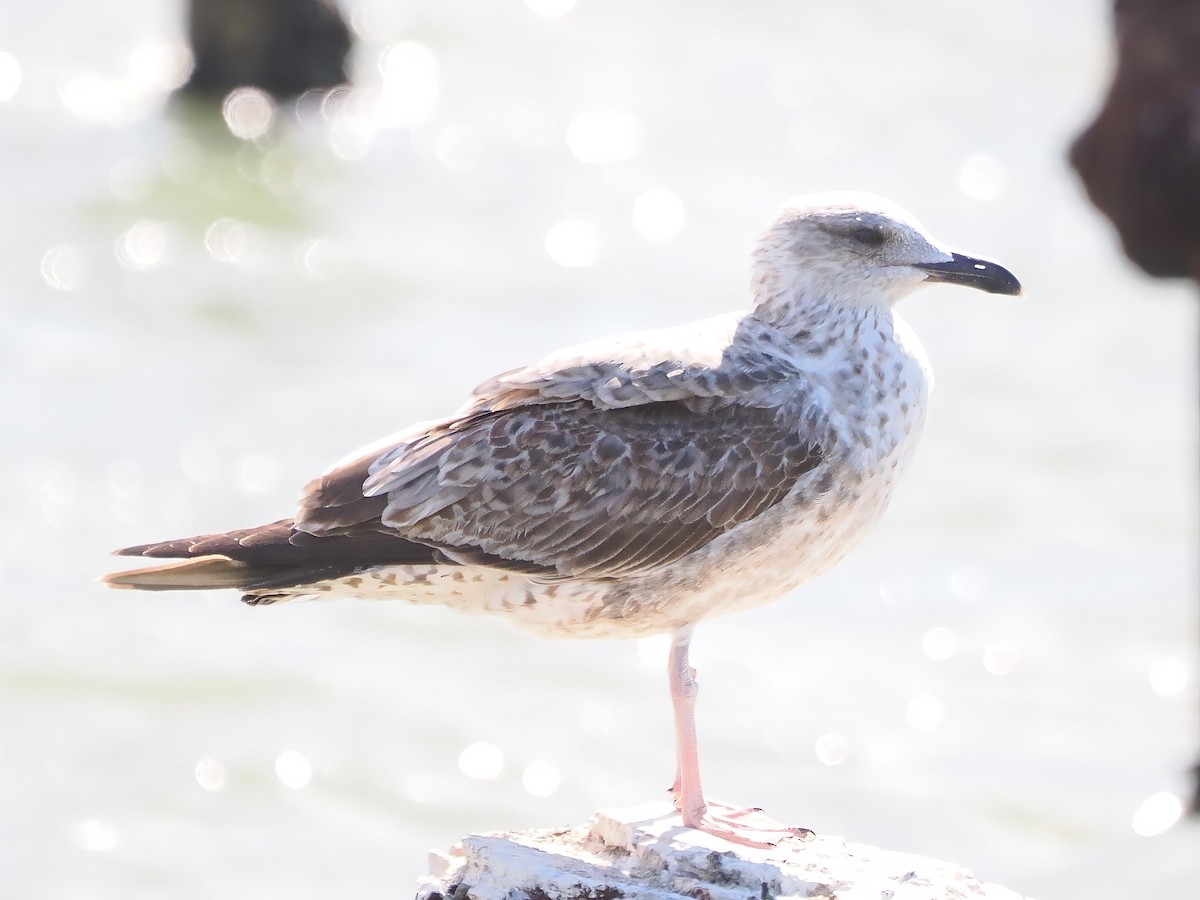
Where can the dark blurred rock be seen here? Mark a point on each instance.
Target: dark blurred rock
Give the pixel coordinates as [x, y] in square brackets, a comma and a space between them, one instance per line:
[285, 47]
[1140, 158]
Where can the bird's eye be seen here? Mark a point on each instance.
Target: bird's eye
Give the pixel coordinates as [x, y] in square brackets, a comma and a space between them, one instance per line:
[868, 236]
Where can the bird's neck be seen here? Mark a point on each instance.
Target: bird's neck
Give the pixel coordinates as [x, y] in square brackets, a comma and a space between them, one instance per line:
[823, 307]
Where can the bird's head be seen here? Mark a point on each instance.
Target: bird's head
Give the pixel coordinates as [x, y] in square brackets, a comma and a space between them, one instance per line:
[852, 249]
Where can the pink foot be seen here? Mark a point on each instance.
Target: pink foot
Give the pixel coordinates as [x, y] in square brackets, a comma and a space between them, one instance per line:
[749, 827]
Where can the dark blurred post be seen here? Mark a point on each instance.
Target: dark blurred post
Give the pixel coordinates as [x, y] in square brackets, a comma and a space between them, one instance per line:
[1140, 158]
[285, 47]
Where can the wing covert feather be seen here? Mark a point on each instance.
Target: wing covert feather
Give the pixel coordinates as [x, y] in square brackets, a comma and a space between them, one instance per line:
[597, 461]
[574, 491]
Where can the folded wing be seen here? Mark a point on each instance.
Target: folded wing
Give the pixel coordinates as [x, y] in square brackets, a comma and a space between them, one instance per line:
[589, 467]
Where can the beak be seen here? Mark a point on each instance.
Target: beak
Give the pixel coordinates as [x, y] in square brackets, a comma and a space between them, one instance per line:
[977, 273]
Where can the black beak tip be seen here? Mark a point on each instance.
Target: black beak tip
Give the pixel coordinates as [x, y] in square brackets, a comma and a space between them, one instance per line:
[998, 280]
[981, 274]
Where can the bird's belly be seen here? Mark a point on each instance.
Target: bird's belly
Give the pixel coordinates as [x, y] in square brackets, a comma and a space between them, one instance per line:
[781, 552]
[749, 566]
[759, 561]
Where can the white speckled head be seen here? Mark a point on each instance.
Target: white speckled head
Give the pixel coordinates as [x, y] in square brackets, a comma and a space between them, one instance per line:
[855, 250]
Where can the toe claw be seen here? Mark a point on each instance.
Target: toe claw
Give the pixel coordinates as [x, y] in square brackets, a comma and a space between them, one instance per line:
[732, 825]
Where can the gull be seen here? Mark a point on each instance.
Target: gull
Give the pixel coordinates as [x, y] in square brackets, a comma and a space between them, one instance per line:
[642, 483]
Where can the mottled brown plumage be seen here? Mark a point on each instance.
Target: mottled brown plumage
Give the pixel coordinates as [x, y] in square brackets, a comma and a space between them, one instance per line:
[643, 483]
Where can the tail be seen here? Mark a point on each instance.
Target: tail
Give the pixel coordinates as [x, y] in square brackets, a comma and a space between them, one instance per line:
[200, 574]
[265, 562]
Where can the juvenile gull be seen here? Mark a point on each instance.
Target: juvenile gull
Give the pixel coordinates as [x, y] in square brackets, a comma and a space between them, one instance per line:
[638, 484]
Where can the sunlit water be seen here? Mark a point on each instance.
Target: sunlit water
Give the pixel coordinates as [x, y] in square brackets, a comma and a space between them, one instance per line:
[199, 313]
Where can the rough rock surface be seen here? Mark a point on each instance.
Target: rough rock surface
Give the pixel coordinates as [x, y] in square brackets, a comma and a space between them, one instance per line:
[644, 852]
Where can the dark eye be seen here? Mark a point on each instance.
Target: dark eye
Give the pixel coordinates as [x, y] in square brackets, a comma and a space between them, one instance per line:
[868, 236]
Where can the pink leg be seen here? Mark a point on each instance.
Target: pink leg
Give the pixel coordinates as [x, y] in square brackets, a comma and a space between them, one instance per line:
[733, 824]
[689, 796]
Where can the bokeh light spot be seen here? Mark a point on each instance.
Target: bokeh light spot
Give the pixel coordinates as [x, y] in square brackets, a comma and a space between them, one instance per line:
[210, 774]
[410, 84]
[378, 20]
[96, 835]
[939, 643]
[62, 268]
[248, 112]
[320, 258]
[226, 240]
[1169, 676]
[143, 246]
[83, 93]
[351, 129]
[482, 760]
[1156, 814]
[658, 215]
[1000, 658]
[161, 66]
[832, 749]
[574, 243]
[292, 769]
[541, 778]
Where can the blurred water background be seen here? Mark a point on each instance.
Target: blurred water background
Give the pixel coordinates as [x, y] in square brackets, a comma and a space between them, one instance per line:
[197, 315]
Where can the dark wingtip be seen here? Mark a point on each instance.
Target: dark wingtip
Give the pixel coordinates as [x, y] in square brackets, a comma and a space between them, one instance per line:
[139, 550]
[162, 550]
